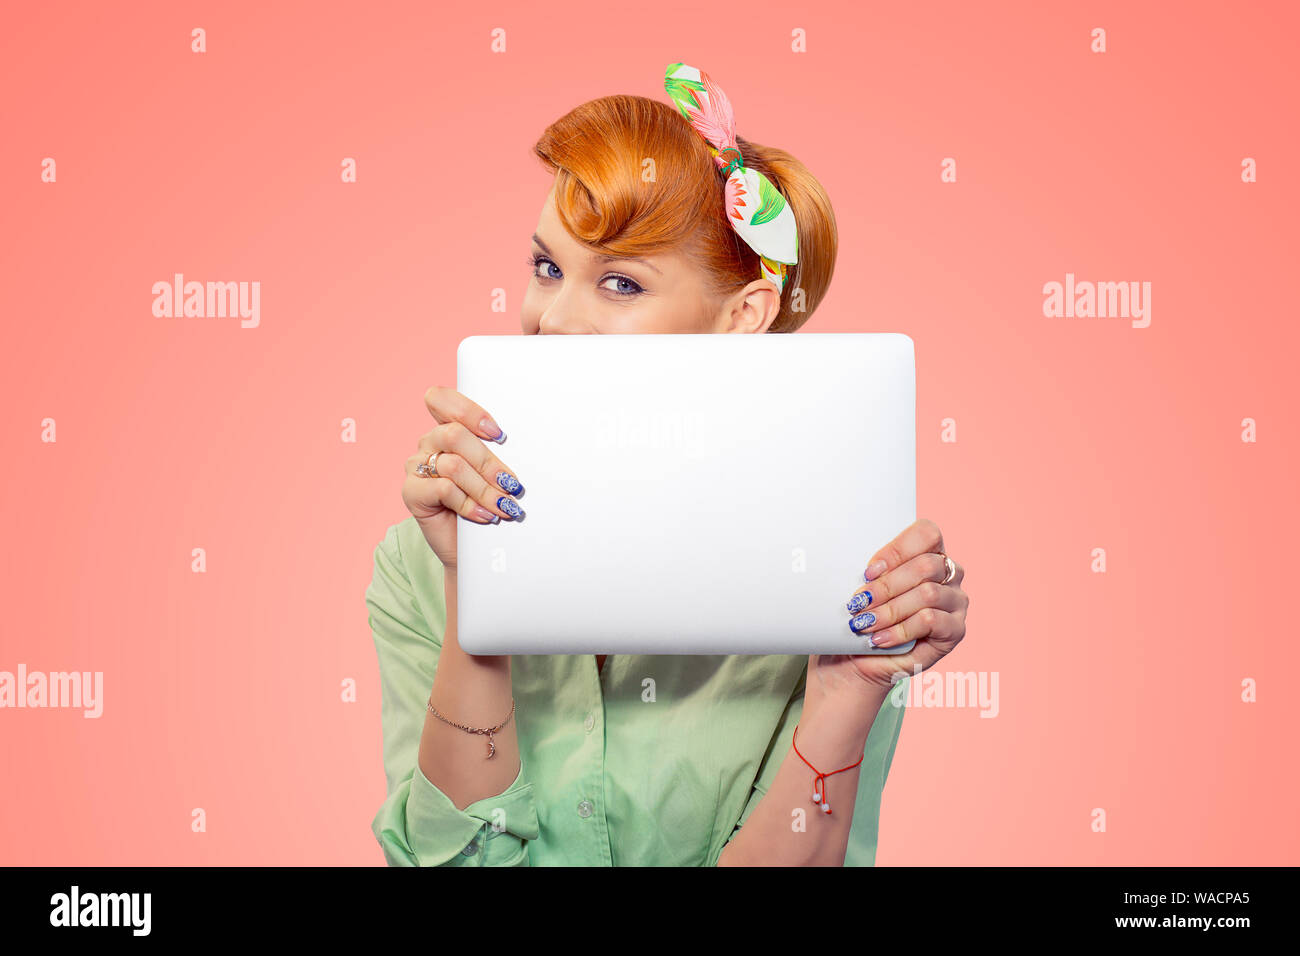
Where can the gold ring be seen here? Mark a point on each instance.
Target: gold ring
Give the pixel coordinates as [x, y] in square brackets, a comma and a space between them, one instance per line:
[430, 467]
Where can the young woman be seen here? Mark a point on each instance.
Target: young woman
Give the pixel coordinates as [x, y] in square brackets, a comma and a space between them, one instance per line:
[659, 220]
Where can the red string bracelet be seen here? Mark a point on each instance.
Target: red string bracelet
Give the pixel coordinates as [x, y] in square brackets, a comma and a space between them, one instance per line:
[819, 781]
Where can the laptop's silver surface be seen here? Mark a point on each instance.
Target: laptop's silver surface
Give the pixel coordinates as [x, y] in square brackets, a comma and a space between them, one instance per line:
[686, 494]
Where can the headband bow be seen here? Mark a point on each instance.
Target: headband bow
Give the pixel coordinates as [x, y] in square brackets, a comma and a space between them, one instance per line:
[754, 207]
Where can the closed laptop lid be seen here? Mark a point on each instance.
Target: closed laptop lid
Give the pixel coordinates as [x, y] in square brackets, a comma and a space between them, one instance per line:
[686, 493]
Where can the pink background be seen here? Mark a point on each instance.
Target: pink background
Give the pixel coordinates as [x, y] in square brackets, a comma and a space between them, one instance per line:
[222, 690]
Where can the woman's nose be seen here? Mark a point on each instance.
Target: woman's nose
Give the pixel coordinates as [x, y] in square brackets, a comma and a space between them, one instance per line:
[563, 321]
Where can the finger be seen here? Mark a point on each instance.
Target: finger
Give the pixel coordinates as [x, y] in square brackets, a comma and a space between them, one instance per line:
[448, 405]
[926, 595]
[462, 473]
[941, 628]
[919, 537]
[426, 497]
[455, 438]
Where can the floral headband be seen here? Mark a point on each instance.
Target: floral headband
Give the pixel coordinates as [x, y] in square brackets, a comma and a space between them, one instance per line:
[754, 207]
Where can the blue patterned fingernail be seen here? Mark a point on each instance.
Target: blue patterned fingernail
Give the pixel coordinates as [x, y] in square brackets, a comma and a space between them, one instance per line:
[860, 600]
[509, 506]
[509, 482]
[862, 622]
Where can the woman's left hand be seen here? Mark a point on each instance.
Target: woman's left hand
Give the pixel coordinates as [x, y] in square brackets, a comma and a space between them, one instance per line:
[903, 600]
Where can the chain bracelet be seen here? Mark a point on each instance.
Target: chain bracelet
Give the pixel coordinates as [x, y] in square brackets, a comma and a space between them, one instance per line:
[490, 731]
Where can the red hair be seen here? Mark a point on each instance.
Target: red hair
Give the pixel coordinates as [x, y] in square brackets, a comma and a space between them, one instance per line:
[598, 153]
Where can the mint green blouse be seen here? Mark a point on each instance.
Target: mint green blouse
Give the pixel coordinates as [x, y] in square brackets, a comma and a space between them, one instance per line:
[656, 761]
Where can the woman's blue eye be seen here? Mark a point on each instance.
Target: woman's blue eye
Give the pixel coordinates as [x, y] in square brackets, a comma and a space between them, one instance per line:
[635, 290]
[534, 261]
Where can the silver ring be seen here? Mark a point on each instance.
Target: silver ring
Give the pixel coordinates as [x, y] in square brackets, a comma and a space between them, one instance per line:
[429, 469]
[952, 569]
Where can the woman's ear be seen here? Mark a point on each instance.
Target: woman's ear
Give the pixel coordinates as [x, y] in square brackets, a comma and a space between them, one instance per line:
[751, 309]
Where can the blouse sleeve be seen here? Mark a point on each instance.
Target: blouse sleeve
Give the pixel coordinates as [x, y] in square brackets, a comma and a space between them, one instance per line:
[878, 755]
[418, 824]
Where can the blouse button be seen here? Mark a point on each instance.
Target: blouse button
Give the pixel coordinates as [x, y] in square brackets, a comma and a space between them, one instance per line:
[470, 850]
[584, 809]
[589, 723]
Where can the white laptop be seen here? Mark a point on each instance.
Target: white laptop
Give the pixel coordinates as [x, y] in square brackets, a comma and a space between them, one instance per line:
[686, 493]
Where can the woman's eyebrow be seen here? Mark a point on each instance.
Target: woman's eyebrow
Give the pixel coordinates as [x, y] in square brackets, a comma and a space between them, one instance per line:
[596, 258]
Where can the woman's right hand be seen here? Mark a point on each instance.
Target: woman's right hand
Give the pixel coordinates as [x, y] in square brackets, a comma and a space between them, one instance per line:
[472, 482]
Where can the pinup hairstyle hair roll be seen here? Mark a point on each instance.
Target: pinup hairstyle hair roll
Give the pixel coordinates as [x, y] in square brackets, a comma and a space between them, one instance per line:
[633, 178]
